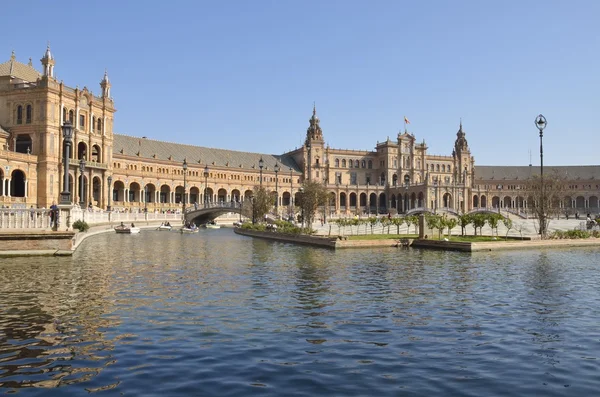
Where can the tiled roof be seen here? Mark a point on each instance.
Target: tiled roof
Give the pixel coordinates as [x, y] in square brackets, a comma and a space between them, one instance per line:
[124, 145]
[501, 172]
[12, 67]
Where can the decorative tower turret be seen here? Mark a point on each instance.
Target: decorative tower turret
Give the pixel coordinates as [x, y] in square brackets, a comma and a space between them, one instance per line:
[463, 167]
[462, 157]
[48, 63]
[314, 149]
[105, 85]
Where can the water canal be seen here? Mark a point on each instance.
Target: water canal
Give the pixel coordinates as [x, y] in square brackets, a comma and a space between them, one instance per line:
[216, 314]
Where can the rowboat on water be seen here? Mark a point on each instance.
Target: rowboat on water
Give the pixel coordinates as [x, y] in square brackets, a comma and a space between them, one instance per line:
[122, 229]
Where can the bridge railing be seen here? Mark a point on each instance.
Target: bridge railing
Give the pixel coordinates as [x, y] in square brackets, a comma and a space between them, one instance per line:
[223, 204]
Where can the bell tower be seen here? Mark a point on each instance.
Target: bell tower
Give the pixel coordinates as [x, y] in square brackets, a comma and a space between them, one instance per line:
[462, 157]
[314, 153]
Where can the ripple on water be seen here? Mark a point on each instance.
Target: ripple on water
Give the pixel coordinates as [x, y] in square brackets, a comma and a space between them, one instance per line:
[219, 314]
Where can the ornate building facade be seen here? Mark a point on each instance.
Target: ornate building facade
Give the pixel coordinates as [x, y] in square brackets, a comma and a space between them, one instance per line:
[397, 176]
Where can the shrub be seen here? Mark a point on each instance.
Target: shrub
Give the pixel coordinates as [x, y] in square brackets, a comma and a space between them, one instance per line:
[80, 225]
[570, 234]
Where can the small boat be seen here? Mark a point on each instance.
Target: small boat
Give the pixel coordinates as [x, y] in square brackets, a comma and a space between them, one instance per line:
[189, 230]
[212, 225]
[164, 228]
[122, 229]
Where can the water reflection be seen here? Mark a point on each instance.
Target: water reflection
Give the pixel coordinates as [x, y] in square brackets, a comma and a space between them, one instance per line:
[218, 314]
[48, 309]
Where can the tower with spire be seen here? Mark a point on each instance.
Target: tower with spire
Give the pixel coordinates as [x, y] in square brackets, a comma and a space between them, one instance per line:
[105, 85]
[314, 154]
[463, 162]
[48, 63]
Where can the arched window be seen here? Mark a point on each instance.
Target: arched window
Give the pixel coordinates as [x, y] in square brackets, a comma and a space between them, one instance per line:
[337, 162]
[355, 163]
[28, 114]
[99, 125]
[343, 163]
[93, 123]
[71, 116]
[350, 163]
[443, 168]
[370, 164]
[364, 164]
[64, 118]
[437, 167]
[19, 114]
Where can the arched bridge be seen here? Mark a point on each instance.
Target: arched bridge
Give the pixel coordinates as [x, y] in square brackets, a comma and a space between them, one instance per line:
[209, 211]
[440, 210]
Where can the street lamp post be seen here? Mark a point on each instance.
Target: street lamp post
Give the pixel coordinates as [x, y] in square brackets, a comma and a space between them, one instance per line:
[291, 193]
[185, 166]
[406, 184]
[540, 123]
[81, 190]
[109, 180]
[205, 185]
[368, 203]
[276, 169]
[67, 129]
[145, 198]
[253, 212]
[261, 164]
[435, 187]
[301, 191]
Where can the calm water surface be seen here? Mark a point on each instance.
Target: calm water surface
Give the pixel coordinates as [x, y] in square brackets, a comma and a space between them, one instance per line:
[216, 314]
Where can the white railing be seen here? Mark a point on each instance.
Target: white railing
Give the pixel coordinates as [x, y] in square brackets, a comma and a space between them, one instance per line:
[40, 218]
[95, 217]
[24, 219]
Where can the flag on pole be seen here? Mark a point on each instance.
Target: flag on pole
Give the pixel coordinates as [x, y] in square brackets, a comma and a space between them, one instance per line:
[406, 121]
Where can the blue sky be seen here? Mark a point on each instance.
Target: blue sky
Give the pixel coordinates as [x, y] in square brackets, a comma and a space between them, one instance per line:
[243, 75]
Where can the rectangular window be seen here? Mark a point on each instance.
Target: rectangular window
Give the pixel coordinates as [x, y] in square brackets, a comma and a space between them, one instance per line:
[28, 114]
[82, 121]
[353, 179]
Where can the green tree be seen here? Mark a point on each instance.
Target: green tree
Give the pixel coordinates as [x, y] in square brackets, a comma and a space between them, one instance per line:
[544, 198]
[464, 220]
[373, 220]
[433, 222]
[259, 205]
[451, 224]
[313, 194]
[398, 221]
[355, 222]
[508, 223]
[478, 221]
[412, 220]
[493, 220]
